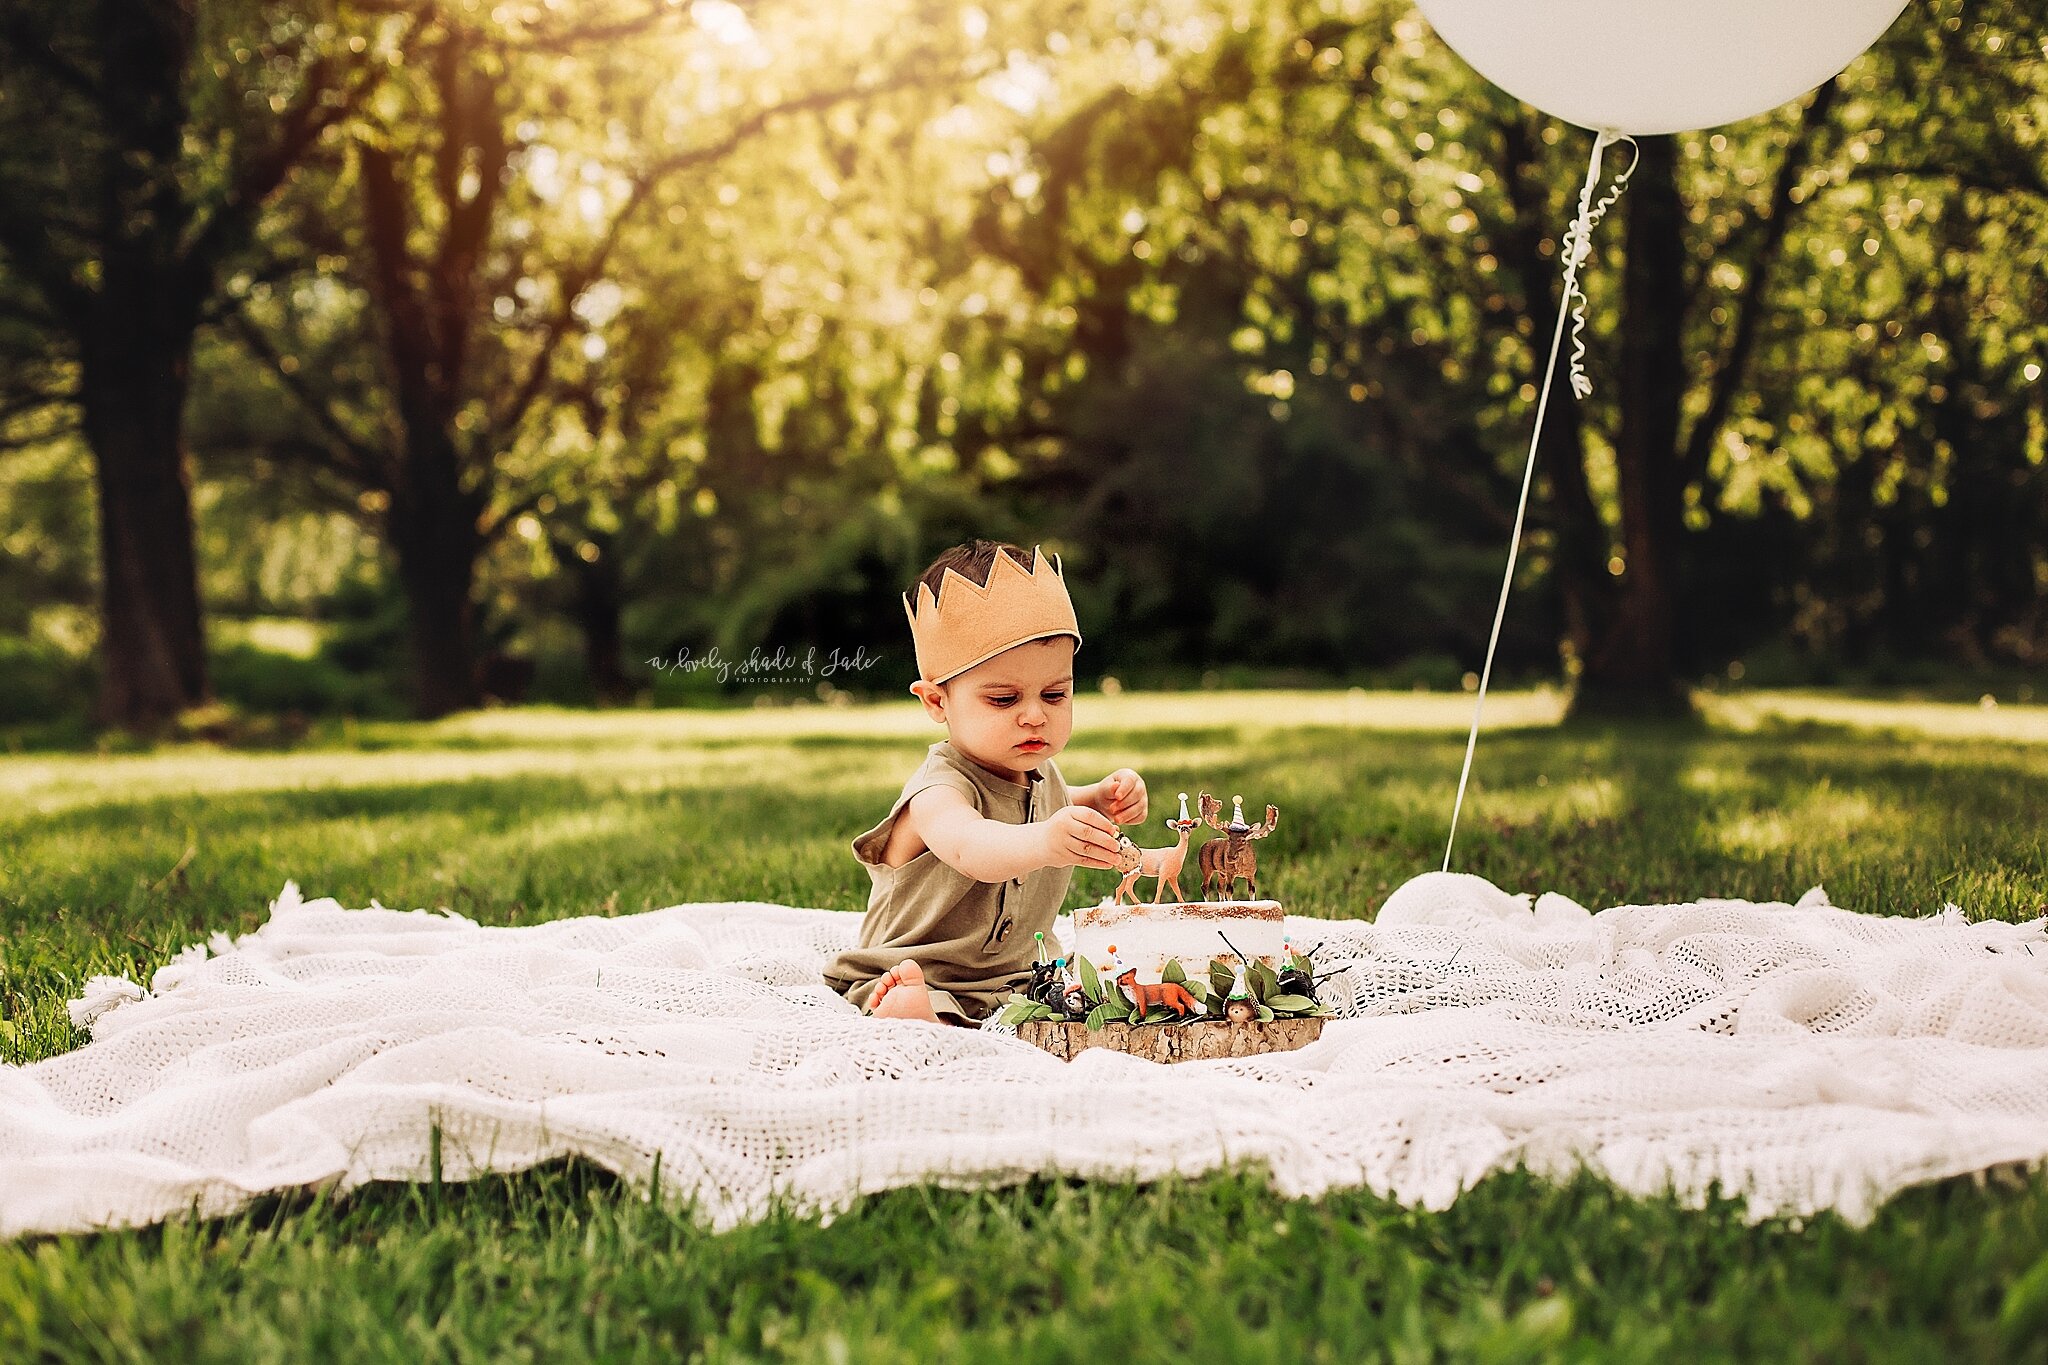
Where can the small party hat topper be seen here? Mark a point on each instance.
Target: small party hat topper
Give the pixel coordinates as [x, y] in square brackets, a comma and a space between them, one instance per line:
[1238, 1006]
[1183, 808]
[1039, 939]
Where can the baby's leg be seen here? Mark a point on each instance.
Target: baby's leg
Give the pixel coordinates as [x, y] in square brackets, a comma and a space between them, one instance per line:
[902, 994]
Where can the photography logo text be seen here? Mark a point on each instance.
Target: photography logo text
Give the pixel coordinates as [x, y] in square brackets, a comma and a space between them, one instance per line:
[782, 664]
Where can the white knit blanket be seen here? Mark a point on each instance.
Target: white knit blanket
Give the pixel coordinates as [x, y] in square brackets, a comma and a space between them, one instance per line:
[1804, 1056]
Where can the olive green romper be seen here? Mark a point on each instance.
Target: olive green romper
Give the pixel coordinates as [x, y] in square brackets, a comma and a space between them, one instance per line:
[973, 939]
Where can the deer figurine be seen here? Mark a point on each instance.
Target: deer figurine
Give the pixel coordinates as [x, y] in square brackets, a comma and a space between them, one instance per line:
[1224, 860]
[1162, 863]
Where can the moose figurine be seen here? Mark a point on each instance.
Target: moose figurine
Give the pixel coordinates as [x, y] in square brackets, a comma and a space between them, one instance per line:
[1161, 863]
[1225, 860]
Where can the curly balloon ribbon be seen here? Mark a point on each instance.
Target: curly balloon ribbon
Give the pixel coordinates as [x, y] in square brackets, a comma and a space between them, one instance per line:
[1577, 246]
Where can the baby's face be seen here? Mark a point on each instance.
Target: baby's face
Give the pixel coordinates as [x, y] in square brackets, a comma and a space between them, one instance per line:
[1012, 712]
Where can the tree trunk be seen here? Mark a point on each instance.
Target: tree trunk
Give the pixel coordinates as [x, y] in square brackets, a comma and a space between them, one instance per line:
[1579, 560]
[433, 528]
[1168, 1043]
[134, 336]
[1634, 665]
[152, 647]
[597, 605]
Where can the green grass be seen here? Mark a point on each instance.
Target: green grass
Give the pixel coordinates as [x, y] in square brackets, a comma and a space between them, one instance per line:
[113, 863]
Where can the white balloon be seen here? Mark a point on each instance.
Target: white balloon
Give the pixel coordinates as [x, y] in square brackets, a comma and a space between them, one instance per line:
[1658, 66]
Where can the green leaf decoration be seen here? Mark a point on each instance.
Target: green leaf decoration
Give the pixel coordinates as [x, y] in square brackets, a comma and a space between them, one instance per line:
[1100, 1017]
[1221, 977]
[1265, 1015]
[1172, 972]
[1091, 984]
[1022, 1011]
[1263, 982]
[1291, 1004]
[1200, 991]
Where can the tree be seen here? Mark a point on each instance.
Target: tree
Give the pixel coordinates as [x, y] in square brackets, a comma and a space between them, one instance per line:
[115, 241]
[459, 246]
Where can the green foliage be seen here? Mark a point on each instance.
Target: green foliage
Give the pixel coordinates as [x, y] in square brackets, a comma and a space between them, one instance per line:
[1248, 336]
[261, 680]
[1091, 984]
[1020, 1010]
[1106, 1013]
[39, 681]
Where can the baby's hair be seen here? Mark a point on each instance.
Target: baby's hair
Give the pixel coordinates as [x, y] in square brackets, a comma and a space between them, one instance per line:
[973, 562]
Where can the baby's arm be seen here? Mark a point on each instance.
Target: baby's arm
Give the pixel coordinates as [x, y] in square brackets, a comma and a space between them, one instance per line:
[991, 851]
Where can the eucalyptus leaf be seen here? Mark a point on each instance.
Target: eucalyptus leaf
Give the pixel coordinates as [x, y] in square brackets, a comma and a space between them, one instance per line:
[1098, 1018]
[1172, 972]
[1263, 982]
[1265, 1015]
[1091, 984]
[1291, 1004]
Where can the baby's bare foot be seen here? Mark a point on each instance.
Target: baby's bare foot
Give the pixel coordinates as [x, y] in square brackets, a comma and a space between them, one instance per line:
[902, 994]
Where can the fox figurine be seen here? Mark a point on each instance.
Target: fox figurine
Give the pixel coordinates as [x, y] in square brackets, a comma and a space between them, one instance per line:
[1170, 994]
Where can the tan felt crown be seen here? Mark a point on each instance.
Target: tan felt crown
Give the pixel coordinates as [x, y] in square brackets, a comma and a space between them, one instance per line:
[964, 623]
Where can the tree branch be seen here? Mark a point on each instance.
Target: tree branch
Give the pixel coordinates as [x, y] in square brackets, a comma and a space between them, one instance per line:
[416, 375]
[38, 438]
[1698, 446]
[25, 238]
[300, 127]
[349, 456]
[2011, 176]
[565, 41]
[470, 118]
[489, 530]
[579, 279]
[37, 46]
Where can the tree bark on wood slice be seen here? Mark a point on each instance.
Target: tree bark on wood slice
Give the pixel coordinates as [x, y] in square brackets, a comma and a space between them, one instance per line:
[1173, 1042]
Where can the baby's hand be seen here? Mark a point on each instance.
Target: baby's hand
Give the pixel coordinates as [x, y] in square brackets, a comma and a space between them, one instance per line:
[1123, 797]
[1077, 836]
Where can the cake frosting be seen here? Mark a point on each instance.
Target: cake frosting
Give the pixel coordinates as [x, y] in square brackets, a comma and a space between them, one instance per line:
[1145, 935]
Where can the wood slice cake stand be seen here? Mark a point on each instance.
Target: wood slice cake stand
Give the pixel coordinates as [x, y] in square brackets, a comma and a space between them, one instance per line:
[1200, 1042]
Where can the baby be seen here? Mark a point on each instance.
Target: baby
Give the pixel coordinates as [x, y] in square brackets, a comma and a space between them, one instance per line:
[975, 857]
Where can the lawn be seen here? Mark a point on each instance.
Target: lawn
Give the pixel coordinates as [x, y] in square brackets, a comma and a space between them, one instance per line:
[111, 863]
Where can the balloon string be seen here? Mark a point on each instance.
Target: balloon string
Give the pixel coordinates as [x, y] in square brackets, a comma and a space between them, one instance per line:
[1577, 246]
